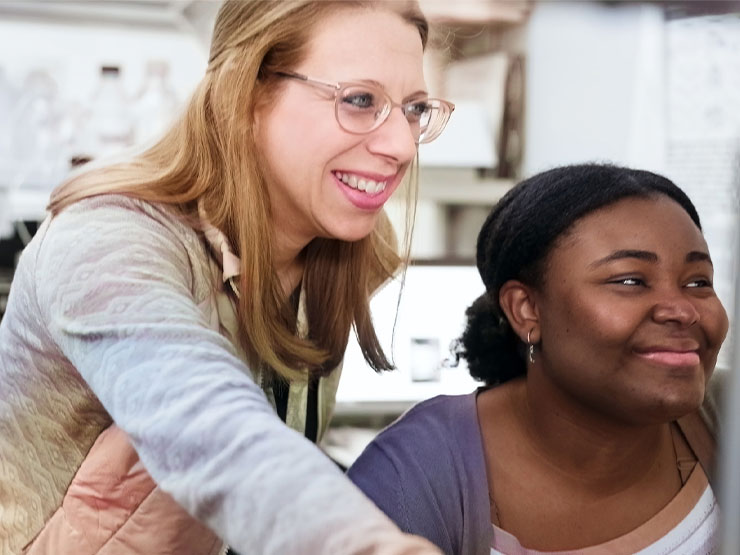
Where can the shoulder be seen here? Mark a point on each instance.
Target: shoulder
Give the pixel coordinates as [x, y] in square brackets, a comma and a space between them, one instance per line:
[437, 438]
[448, 420]
[427, 471]
[111, 211]
[111, 244]
[124, 229]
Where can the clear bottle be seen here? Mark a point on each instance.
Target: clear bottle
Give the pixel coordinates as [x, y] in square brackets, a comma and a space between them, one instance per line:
[110, 117]
[36, 153]
[76, 133]
[7, 105]
[156, 105]
[8, 100]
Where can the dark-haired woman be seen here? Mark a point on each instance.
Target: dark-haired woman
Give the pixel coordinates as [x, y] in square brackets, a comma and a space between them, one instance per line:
[595, 338]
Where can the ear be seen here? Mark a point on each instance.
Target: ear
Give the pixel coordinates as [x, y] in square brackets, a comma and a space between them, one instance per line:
[256, 121]
[260, 112]
[518, 302]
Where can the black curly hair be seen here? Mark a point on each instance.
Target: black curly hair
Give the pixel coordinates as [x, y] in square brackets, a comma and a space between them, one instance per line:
[517, 237]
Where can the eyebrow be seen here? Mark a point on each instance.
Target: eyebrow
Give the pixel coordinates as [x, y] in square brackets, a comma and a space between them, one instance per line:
[699, 256]
[647, 256]
[380, 86]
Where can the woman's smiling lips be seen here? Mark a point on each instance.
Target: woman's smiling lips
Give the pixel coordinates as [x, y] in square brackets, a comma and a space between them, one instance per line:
[679, 356]
[367, 191]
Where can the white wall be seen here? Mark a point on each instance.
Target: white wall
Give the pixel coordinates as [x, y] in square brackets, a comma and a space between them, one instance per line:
[432, 306]
[594, 85]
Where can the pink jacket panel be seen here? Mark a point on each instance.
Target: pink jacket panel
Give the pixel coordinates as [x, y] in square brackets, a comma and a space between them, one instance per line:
[113, 507]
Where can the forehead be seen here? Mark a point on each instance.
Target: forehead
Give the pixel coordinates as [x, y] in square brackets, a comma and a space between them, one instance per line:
[356, 43]
[656, 224]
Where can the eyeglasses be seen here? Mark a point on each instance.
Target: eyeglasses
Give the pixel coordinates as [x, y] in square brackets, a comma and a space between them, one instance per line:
[361, 108]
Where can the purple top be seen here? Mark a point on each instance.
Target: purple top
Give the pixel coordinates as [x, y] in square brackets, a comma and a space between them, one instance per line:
[427, 472]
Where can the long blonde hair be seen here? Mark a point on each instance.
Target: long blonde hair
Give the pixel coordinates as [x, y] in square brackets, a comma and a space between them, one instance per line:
[210, 156]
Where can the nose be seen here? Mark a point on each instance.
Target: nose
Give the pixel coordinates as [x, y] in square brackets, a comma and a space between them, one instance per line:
[675, 307]
[394, 138]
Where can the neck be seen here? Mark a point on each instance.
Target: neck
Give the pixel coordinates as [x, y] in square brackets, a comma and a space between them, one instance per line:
[288, 261]
[583, 444]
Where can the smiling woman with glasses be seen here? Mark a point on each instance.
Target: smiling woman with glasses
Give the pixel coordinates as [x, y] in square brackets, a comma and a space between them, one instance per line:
[361, 108]
[174, 336]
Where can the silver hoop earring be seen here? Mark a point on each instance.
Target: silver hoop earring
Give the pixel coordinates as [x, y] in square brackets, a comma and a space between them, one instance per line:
[531, 347]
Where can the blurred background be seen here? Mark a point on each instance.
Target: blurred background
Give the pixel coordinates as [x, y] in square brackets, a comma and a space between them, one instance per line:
[654, 85]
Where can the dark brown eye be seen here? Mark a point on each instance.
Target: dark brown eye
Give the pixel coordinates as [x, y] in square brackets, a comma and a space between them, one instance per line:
[630, 281]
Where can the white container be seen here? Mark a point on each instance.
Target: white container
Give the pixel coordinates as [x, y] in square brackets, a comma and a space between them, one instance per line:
[37, 154]
[425, 360]
[8, 100]
[111, 117]
[156, 105]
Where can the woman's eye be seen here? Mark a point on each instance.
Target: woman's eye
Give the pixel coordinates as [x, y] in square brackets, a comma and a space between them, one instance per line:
[416, 110]
[631, 281]
[702, 282]
[361, 100]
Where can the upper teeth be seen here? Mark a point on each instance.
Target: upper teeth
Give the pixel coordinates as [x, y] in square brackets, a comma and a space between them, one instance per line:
[362, 183]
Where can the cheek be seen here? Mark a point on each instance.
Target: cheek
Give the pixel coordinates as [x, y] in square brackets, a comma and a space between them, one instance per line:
[716, 323]
[283, 132]
[614, 325]
[593, 322]
[289, 153]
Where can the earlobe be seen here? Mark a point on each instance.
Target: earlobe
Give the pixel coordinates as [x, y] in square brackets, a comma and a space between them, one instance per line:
[518, 302]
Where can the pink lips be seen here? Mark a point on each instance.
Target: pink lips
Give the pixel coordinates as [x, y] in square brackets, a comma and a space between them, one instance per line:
[672, 358]
[364, 201]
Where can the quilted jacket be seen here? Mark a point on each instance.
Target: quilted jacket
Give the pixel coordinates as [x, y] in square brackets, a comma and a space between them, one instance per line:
[120, 312]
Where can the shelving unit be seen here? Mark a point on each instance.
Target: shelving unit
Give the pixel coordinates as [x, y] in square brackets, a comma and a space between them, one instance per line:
[462, 187]
[477, 12]
[123, 32]
[474, 44]
[179, 15]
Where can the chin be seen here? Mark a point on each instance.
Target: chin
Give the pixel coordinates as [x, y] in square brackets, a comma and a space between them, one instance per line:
[671, 407]
[353, 231]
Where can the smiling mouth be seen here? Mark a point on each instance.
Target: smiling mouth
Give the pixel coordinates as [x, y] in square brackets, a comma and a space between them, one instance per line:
[361, 183]
[672, 358]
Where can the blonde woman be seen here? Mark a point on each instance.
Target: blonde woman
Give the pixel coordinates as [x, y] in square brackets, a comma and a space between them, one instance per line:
[200, 297]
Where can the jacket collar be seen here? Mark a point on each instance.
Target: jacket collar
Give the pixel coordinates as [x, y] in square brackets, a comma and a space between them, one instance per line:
[230, 263]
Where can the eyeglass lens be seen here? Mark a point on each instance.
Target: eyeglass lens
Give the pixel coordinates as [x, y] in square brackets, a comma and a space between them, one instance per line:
[362, 109]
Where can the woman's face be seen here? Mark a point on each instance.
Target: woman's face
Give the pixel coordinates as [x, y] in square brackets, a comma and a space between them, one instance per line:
[630, 323]
[309, 155]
